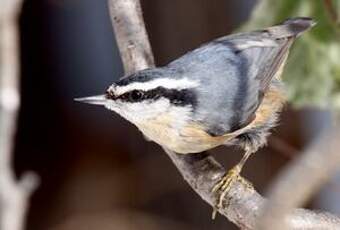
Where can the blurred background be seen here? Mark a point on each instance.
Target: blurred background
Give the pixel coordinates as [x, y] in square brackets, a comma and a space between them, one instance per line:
[96, 169]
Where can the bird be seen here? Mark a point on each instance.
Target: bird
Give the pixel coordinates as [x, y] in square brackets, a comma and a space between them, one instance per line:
[228, 91]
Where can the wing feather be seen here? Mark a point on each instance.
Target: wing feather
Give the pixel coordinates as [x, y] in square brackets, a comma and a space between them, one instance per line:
[238, 69]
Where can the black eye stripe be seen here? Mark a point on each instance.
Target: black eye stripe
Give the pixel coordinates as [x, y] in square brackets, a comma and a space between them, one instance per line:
[178, 97]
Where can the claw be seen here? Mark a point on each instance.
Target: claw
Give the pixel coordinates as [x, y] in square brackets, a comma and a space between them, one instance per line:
[224, 185]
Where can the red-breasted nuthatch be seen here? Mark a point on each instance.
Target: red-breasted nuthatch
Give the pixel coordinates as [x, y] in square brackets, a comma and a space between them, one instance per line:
[226, 92]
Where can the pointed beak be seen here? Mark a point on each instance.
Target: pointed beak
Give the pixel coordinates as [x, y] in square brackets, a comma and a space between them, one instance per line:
[94, 100]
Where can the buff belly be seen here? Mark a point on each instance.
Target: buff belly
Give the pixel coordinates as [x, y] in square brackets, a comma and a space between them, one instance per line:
[191, 137]
[188, 139]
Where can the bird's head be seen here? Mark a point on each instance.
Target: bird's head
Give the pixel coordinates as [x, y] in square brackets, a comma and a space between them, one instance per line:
[148, 94]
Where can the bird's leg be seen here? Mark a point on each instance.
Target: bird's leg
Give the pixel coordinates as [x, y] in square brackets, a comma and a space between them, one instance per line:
[224, 185]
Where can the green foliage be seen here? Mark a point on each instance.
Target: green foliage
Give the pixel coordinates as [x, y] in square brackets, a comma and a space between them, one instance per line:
[312, 73]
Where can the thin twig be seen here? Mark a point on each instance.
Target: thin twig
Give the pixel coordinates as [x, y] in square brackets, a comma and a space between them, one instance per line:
[333, 16]
[13, 195]
[201, 171]
[331, 11]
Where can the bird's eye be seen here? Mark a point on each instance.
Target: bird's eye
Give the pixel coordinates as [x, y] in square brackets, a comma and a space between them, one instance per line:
[109, 94]
[135, 95]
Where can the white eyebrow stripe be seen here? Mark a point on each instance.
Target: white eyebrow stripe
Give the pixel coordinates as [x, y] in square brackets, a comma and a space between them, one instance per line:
[168, 83]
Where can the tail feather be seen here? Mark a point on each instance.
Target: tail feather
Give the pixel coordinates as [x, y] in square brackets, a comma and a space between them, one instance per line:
[292, 27]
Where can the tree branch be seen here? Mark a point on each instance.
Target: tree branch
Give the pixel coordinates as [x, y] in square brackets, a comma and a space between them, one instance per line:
[131, 36]
[315, 165]
[243, 204]
[13, 195]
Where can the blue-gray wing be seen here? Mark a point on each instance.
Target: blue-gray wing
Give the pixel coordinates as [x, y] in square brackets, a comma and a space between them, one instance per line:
[235, 72]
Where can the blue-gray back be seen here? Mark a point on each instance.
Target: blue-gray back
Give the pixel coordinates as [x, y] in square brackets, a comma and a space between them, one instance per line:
[235, 72]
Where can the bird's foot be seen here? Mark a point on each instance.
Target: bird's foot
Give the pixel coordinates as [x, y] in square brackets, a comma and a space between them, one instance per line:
[222, 188]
